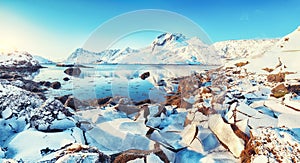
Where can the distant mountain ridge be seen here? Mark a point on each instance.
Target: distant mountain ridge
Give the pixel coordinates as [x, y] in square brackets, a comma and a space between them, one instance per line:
[237, 49]
[165, 49]
[175, 48]
[42, 60]
[83, 56]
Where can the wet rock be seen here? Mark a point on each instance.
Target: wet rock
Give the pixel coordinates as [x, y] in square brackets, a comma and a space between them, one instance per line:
[66, 79]
[145, 75]
[279, 91]
[55, 85]
[73, 71]
[276, 78]
[63, 98]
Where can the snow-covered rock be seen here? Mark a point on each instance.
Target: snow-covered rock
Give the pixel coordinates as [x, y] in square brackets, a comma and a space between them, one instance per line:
[76, 152]
[274, 144]
[226, 135]
[52, 116]
[129, 134]
[31, 145]
[17, 60]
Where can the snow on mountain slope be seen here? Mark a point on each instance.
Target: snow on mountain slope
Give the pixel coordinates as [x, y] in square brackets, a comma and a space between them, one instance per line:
[42, 60]
[174, 49]
[283, 56]
[18, 60]
[236, 49]
[87, 57]
[165, 49]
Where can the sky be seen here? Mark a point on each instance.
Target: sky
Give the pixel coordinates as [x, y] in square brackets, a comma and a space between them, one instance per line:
[55, 28]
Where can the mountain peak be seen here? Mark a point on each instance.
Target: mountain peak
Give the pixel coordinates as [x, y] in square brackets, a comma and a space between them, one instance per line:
[166, 38]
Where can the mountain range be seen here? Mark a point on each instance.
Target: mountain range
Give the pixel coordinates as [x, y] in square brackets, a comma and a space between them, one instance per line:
[165, 49]
[176, 49]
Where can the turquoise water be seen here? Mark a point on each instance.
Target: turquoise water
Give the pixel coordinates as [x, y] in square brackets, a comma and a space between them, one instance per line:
[112, 80]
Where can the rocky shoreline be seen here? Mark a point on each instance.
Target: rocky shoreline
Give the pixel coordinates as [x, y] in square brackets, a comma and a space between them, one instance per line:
[228, 119]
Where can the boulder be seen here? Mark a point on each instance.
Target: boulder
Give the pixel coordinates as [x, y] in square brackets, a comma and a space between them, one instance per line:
[73, 71]
[55, 85]
[145, 75]
[279, 91]
[225, 134]
[31, 145]
[66, 79]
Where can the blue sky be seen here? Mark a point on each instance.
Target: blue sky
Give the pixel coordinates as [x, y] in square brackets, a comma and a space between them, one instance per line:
[54, 28]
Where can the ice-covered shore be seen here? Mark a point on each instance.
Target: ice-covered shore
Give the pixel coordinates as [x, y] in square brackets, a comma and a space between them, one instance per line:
[245, 111]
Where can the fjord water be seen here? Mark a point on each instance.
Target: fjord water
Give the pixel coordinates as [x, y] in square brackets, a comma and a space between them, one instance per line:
[101, 81]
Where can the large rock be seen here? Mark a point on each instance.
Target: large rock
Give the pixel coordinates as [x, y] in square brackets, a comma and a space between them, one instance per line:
[31, 145]
[225, 134]
[73, 71]
[145, 75]
[279, 91]
[129, 135]
[55, 85]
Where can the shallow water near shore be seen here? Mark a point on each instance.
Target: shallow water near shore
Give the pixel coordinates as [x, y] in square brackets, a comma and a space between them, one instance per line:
[114, 80]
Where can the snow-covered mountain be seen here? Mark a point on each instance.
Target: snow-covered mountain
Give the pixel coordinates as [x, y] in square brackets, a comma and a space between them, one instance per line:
[165, 49]
[236, 49]
[174, 49]
[283, 56]
[42, 60]
[83, 56]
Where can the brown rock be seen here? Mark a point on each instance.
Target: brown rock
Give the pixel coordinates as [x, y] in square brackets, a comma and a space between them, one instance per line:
[276, 78]
[241, 64]
[279, 91]
[268, 69]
